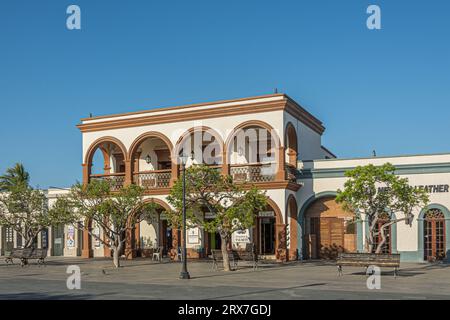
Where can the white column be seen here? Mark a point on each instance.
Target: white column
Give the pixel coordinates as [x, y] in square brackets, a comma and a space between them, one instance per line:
[50, 241]
[1, 241]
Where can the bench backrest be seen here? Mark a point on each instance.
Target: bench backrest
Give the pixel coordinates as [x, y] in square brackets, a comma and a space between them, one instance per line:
[217, 254]
[28, 253]
[369, 257]
[16, 253]
[38, 253]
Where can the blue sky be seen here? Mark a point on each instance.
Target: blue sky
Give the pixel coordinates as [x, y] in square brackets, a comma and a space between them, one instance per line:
[387, 90]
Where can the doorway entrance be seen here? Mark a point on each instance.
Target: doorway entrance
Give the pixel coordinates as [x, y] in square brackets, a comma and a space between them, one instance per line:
[266, 241]
[58, 240]
[329, 230]
[166, 234]
[7, 240]
[434, 235]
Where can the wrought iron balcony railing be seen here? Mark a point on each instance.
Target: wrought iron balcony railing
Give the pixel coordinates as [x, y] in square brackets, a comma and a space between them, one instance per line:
[253, 172]
[156, 179]
[116, 180]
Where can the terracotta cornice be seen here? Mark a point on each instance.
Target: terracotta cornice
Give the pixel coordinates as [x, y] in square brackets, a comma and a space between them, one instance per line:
[286, 104]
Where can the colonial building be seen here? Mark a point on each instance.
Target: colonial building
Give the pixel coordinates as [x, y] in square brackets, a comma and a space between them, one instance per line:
[269, 141]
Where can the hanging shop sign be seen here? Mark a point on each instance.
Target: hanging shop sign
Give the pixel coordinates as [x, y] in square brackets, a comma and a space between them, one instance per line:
[193, 237]
[241, 236]
[266, 214]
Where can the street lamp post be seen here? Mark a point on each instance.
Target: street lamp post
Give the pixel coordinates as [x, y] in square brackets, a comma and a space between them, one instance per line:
[184, 274]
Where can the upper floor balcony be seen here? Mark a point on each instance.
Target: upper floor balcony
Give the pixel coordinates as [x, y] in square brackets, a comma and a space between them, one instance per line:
[253, 140]
[250, 154]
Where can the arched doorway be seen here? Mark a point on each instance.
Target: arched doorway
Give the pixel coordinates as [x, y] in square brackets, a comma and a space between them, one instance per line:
[151, 230]
[329, 229]
[270, 232]
[434, 235]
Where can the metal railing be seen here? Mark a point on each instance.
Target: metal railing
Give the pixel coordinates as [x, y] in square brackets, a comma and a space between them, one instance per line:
[116, 180]
[253, 172]
[155, 179]
[291, 173]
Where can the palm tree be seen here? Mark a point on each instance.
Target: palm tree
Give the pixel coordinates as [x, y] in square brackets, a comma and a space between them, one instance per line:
[14, 176]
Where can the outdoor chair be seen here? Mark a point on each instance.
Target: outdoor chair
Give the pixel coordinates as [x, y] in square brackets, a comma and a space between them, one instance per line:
[157, 254]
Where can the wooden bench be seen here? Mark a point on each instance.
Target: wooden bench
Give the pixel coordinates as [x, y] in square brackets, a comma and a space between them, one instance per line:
[368, 259]
[249, 254]
[27, 254]
[217, 258]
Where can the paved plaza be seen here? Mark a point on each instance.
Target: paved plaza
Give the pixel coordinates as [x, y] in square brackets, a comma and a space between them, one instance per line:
[144, 279]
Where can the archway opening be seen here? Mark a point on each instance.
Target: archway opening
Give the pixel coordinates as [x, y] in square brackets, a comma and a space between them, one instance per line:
[202, 146]
[106, 161]
[329, 229]
[151, 231]
[291, 146]
[252, 154]
[151, 162]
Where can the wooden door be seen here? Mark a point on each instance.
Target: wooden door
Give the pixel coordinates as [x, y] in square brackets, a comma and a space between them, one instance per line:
[331, 237]
[434, 238]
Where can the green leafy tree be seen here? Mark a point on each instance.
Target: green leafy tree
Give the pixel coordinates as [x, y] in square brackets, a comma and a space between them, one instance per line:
[26, 211]
[113, 212]
[231, 206]
[14, 177]
[377, 192]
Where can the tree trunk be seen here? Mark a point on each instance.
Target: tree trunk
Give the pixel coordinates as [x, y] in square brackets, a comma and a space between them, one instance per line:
[370, 237]
[224, 248]
[116, 254]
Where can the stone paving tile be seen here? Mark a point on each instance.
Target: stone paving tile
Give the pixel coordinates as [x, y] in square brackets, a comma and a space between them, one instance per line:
[144, 279]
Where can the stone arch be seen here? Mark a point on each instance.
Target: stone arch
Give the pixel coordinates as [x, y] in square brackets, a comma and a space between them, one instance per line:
[203, 129]
[252, 123]
[302, 222]
[133, 234]
[96, 144]
[278, 148]
[291, 144]
[151, 134]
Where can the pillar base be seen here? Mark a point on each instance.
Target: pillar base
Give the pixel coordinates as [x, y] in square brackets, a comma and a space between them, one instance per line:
[130, 254]
[87, 253]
